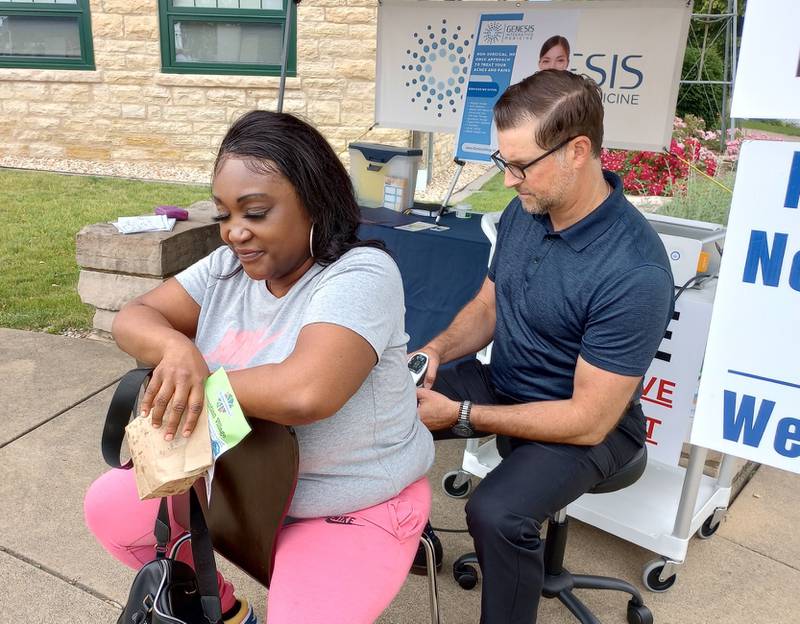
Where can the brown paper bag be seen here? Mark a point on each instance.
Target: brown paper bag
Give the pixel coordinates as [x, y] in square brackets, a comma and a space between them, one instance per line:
[167, 468]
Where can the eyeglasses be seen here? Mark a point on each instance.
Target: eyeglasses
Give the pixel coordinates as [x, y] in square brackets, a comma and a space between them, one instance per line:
[518, 171]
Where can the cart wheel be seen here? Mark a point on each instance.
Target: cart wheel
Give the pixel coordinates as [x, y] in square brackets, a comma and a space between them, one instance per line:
[707, 529]
[639, 614]
[651, 573]
[448, 482]
[465, 575]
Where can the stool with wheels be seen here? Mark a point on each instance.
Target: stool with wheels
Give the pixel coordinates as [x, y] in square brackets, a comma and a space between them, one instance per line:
[559, 582]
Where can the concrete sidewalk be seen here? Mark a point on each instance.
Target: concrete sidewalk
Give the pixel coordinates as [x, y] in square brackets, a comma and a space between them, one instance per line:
[55, 391]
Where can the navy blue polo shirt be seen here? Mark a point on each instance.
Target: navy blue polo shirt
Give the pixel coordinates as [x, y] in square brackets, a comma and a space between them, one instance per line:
[601, 289]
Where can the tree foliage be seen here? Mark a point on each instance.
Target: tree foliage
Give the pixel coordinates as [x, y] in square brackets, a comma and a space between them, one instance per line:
[701, 100]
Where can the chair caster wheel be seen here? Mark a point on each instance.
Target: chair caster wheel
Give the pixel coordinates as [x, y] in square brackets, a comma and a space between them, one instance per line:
[639, 614]
[449, 481]
[465, 575]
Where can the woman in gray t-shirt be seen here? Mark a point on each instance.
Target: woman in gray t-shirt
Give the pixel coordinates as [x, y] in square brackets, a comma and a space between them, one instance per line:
[308, 323]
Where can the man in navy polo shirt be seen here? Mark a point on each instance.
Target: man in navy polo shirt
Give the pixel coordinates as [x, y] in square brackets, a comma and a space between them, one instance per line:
[577, 299]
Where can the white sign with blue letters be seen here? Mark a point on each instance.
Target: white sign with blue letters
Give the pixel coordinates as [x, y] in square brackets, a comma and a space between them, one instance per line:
[749, 398]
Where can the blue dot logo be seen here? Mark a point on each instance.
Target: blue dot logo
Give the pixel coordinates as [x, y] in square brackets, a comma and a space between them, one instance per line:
[437, 61]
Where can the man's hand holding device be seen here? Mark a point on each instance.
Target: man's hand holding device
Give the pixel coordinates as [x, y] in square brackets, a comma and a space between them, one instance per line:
[418, 366]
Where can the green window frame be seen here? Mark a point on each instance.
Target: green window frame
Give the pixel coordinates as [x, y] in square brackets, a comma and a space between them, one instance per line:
[42, 8]
[169, 14]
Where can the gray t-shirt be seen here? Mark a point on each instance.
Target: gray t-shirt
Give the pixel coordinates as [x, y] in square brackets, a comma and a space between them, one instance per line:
[375, 445]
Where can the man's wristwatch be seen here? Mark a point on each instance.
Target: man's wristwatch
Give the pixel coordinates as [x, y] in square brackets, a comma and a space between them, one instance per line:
[463, 427]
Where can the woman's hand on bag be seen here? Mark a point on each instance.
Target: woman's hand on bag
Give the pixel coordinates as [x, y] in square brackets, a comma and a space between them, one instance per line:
[176, 390]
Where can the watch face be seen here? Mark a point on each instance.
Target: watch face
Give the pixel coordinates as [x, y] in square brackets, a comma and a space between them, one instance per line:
[462, 429]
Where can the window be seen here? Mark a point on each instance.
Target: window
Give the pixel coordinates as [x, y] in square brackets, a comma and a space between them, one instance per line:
[225, 37]
[49, 34]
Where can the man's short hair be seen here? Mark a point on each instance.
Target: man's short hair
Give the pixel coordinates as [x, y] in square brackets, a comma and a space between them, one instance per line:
[565, 104]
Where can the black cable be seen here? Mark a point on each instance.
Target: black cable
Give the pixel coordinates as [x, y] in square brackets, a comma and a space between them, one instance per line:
[688, 283]
[698, 279]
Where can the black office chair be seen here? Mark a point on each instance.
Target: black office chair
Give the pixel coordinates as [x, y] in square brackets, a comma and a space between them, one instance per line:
[559, 582]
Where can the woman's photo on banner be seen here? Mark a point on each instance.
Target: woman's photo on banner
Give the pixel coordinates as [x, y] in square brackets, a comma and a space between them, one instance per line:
[554, 53]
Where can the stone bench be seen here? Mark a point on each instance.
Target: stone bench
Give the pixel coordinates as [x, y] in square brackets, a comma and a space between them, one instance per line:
[116, 268]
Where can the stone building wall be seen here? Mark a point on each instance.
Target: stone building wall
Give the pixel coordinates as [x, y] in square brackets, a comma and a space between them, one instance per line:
[128, 118]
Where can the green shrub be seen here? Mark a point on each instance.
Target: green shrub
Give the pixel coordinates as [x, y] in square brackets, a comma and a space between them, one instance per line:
[703, 200]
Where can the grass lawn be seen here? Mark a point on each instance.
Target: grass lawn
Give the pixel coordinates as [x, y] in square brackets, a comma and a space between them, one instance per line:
[770, 126]
[40, 215]
[492, 196]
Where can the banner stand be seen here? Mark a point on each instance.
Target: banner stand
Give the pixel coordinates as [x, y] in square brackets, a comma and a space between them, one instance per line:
[459, 168]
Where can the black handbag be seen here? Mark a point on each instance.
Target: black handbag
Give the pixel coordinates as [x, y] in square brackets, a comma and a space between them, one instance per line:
[251, 491]
[168, 591]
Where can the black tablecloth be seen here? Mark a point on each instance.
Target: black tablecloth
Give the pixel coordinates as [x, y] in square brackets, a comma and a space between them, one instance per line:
[441, 270]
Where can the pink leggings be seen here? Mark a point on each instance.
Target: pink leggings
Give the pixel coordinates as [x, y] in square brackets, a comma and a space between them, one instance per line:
[341, 569]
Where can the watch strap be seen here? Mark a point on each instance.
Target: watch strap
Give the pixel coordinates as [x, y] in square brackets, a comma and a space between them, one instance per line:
[463, 413]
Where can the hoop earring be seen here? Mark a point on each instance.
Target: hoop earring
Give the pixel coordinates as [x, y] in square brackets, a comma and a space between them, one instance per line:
[311, 241]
